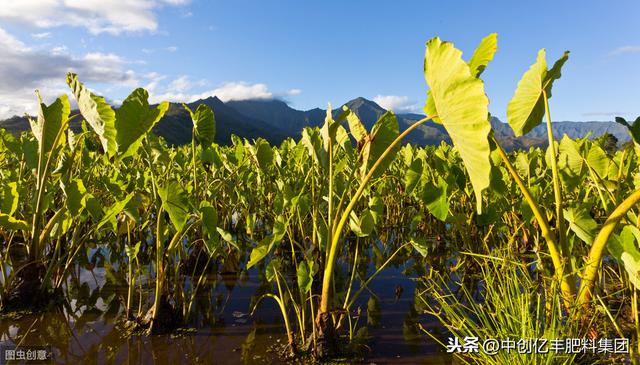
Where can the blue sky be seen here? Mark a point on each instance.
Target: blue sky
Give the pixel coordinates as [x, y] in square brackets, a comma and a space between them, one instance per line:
[314, 53]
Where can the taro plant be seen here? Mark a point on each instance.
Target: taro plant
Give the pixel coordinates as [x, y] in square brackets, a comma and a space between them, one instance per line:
[456, 99]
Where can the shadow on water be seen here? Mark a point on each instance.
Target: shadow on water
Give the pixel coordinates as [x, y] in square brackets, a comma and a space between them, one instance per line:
[87, 327]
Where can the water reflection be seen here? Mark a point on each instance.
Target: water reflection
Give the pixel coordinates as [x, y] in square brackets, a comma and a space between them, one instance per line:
[87, 327]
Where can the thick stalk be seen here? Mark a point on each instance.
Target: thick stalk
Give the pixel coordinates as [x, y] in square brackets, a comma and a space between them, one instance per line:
[193, 159]
[43, 173]
[599, 244]
[328, 271]
[159, 269]
[566, 283]
[330, 219]
[557, 189]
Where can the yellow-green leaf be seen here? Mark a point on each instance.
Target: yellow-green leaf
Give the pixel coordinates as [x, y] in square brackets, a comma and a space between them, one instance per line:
[462, 106]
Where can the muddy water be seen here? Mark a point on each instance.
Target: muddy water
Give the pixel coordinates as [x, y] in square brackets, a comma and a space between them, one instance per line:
[85, 330]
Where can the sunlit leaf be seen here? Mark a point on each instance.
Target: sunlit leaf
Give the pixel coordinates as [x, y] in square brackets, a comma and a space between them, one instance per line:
[462, 106]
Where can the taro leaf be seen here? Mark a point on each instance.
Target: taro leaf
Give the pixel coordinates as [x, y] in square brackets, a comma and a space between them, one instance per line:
[362, 226]
[356, 128]
[329, 129]
[383, 133]
[97, 112]
[176, 203]
[526, 108]
[134, 119]
[264, 247]
[76, 195]
[50, 120]
[634, 128]
[570, 163]
[462, 106]
[478, 62]
[204, 122]
[228, 237]
[9, 198]
[420, 244]
[132, 251]
[260, 251]
[376, 207]
[264, 154]
[111, 213]
[581, 223]
[625, 249]
[12, 223]
[94, 208]
[412, 176]
[312, 140]
[483, 54]
[598, 160]
[435, 197]
[305, 276]
[272, 269]
[209, 226]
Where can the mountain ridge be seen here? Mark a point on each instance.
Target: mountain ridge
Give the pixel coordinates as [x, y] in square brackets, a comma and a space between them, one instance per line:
[274, 120]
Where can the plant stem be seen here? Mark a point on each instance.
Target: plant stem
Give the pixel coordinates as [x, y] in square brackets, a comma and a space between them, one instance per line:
[599, 244]
[557, 189]
[567, 288]
[328, 271]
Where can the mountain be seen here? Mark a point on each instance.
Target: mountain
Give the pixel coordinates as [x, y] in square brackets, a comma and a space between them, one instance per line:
[176, 124]
[274, 120]
[279, 114]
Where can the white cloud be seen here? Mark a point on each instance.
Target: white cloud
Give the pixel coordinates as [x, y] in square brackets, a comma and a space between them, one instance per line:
[153, 50]
[177, 91]
[625, 49]
[238, 91]
[24, 69]
[42, 35]
[97, 16]
[399, 104]
[180, 84]
[294, 92]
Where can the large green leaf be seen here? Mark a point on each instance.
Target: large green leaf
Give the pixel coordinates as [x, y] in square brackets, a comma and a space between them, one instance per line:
[264, 247]
[264, 154]
[76, 195]
[462, 106]
[435, 197]
[50, 120]
[483, 54]
[478, 62]
[176, 202]
[204, 122]
[581, 223]
[598, 160]
[526, 108]
[329, 129]
[625, 249]
[383, 133]
[134, 119]
[97, 112]
[357, 129]
[9, 198]
[305, 274]
[412, 175]
[209, 217]
[12, 223]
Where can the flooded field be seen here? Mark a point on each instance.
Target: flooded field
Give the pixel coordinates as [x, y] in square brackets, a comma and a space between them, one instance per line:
[87, 327]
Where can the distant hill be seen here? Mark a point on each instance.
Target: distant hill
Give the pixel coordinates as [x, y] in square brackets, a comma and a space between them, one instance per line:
[274, 120]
